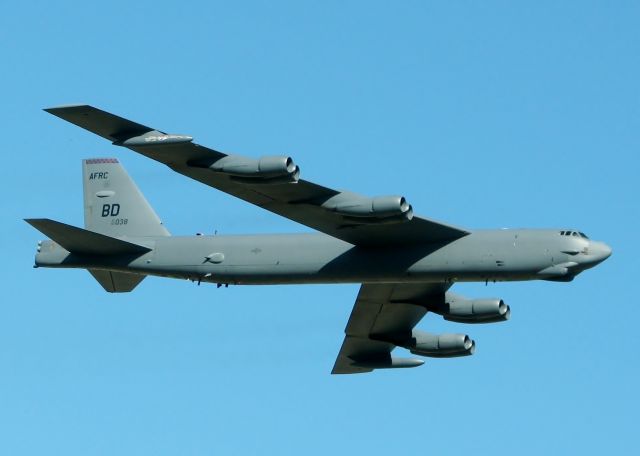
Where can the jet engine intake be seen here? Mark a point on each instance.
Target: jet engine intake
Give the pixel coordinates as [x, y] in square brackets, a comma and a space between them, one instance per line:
[462, 310]
[370, 210]
[269, 169]
[440, 346]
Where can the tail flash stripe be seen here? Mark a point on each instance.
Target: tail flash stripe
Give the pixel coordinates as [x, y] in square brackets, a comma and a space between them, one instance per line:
[97, 161]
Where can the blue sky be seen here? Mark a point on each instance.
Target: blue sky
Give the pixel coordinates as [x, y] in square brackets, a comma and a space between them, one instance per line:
[483, 114]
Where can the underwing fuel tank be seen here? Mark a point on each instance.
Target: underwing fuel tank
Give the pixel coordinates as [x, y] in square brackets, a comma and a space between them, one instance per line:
[389, 363]
[154, 138]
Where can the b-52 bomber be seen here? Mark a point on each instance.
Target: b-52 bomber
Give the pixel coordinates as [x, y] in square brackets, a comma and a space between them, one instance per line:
[405, 264]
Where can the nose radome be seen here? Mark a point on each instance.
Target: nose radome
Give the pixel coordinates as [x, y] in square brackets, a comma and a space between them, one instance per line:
[600, 251]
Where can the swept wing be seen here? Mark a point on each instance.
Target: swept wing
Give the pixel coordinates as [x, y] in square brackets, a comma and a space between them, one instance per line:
[299, 200]
[383, 316]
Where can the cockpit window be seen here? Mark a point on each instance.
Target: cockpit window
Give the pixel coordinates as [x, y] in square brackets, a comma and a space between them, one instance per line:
[574, 233]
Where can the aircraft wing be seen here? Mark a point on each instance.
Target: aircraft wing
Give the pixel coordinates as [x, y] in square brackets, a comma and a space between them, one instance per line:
[382, 313]
[323, 209]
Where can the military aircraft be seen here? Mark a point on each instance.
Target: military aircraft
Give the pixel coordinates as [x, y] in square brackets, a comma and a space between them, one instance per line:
[404, 263]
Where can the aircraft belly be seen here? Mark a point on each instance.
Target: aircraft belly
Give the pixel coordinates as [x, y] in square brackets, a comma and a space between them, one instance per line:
[317, 258]
[483, 255]
[314, 258]
[281, 259]
[244, 259]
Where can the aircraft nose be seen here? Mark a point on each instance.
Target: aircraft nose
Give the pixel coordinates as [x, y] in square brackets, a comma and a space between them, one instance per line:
[599, 251]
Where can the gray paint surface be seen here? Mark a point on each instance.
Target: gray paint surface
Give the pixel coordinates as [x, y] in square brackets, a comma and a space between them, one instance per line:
[405, 263]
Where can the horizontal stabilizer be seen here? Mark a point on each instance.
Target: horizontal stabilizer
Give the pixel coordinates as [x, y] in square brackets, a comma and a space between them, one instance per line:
[84, 242]
[117, 282]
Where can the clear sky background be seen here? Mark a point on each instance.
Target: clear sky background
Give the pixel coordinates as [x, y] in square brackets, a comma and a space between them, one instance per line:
[483, 114]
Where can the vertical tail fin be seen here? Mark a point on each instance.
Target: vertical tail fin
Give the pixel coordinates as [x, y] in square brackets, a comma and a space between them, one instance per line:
[113, 204]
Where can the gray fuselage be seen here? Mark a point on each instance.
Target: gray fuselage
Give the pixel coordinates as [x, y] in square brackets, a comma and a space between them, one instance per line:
[501, 255]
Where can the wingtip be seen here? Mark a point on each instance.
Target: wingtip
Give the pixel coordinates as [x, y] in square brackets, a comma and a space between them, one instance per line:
[53, 109]
[35, 221]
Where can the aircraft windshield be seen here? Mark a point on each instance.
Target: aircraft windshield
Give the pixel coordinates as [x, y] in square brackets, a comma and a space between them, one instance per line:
[574, 233]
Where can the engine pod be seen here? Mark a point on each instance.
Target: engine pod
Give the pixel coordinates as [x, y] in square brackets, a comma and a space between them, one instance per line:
[268, 169]
[440, 345]
[361, 209]
[462, 310]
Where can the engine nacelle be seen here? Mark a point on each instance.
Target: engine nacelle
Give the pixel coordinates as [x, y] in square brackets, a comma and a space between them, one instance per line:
[370, 210]
[269, 170]
[440, 346]
[462, 310]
